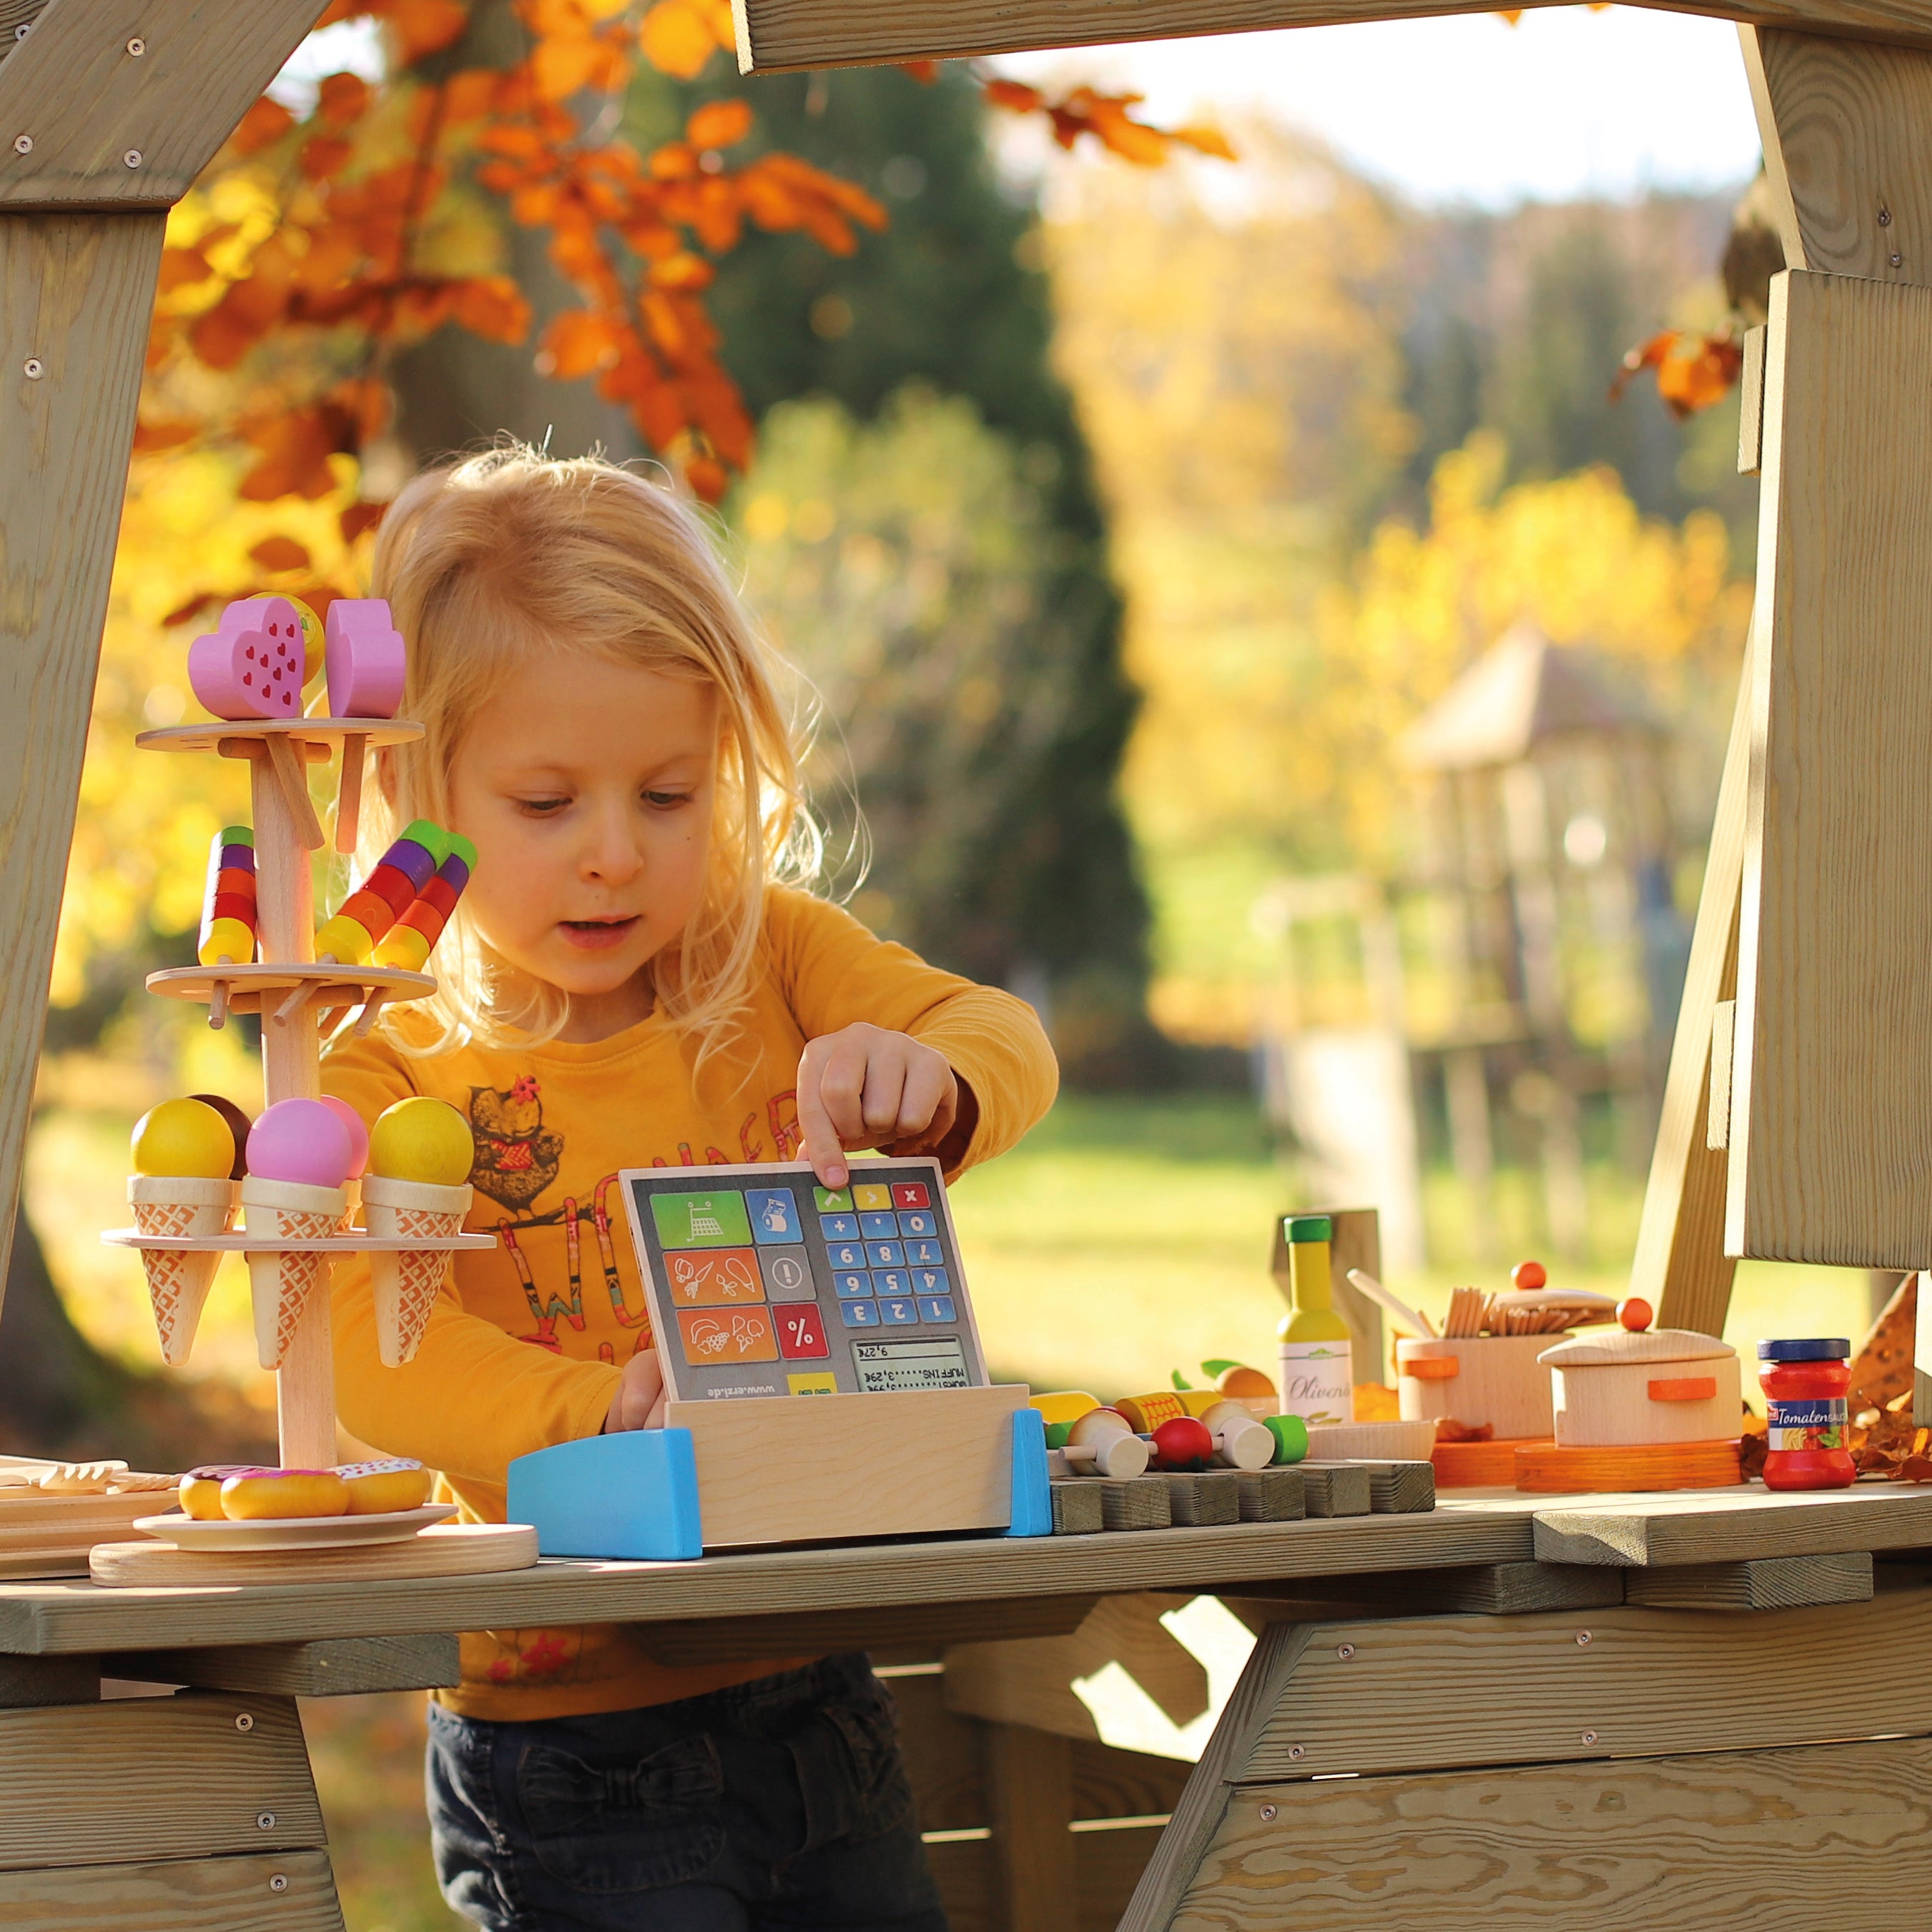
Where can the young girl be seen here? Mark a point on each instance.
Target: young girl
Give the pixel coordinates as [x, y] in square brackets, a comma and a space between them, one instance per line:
[627, 982]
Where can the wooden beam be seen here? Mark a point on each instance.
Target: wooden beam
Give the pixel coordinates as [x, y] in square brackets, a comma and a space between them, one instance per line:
[75, 294]
[1680, 1267]
[279, 1891]
[1771, 1583]
[1665, 1531]
[1488, 1589]
[1782, 1837]
[110, 127]
[1831, 1130]
[339, 1667]
[1029, 1780]
[784, 36]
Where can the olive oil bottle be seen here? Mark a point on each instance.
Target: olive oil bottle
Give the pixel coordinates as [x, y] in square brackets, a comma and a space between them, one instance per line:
[1318, 1381]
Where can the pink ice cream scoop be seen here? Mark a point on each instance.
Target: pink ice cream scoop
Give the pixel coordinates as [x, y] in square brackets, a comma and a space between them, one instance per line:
[358, 1135]
[301, 1140]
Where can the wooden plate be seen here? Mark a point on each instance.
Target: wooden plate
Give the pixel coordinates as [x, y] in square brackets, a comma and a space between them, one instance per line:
[293, 1532]
[443, 1550]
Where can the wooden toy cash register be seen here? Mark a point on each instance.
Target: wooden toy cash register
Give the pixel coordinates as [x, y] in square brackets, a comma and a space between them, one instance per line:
[824, 1372]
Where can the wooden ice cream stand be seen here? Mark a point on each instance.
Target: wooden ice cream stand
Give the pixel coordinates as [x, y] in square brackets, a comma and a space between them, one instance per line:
[1640, 1711]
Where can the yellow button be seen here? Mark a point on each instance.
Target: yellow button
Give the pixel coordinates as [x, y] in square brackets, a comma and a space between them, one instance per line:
[872, 1199]
[816, 1381]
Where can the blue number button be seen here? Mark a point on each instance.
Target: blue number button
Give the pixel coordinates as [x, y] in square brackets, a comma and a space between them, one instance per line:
[921, 1223]
[873, 1226]
[845, 1254]
[936, 1308]
[852, 1283]
[931, 1281]
[925, 1254]
[899, 1314]
[891, 1281]
[860, 1314]
[885, 1254]
[839, 1227]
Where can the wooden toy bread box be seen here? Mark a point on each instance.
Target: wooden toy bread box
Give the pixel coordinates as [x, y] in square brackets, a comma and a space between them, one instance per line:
[1656, 1385]
[1496, 1379]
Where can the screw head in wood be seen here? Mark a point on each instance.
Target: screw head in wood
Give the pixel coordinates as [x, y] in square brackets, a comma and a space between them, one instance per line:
[1297, 1750]
[1589, 1737]
[265, 1821]
[137, 46]
[1345, 1652]
[132, 157]
[1896, 260]
[245, 1722]
[21, 32]
[33, 368]
[279, 1882]
[1582, 1638]
[1268, 1813]
[23, 144]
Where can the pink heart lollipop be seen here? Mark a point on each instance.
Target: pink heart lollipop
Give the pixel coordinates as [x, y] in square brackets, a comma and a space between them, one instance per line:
[250, 665]
[366, 658]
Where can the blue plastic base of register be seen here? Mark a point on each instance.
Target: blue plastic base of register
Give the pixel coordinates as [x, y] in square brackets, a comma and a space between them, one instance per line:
[633, 1497]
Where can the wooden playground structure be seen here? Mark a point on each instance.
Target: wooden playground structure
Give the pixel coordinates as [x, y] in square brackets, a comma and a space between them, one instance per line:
[1513, 1712]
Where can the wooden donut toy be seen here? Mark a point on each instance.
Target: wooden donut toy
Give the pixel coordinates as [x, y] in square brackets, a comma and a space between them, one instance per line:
[258, 1495]
[383, 1488]
[200, 1491]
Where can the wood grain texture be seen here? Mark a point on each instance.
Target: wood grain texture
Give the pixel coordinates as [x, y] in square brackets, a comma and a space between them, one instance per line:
[785, 1633]
[1842, 126]
[233, 1894]
[1831, 1152]
[1275, 1495]
[1497, 1381]
[1623, 1404]
[1030, 1682]
[782, 36]
[27, 1683]
[1723, 1035]
[1400, 1489]
[1680, 1267]
[1077, 1508]
[1750, 408]
[795, 1471]
[149, 1778]
[1772, 1583]
[443, 1550]
[1646, 1682]
[1203, 1802]
[87, 102]
[339, 1667]
[1489, 1589]
[1734, 1526]
[1331, 1489]
[1029, 1784]
[1776, 1839]
[1213, 1496]
[1554, 1469]
[1107, 1866]
[76, 291]
[1134, 1502]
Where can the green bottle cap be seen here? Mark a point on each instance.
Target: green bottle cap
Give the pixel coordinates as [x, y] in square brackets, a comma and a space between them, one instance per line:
[460, 848]
[1310, 1228]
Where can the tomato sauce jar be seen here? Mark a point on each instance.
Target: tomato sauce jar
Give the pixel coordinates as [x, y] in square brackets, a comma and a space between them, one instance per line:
[1805, 1385]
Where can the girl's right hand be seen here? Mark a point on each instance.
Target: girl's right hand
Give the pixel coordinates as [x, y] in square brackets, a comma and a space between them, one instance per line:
[639, 1402]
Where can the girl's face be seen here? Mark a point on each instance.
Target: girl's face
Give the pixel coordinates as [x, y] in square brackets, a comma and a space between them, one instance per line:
[586, 788]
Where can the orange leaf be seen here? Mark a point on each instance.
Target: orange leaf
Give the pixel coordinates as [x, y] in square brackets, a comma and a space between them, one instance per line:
[264, 124]
[182, 613]
[564, 67]
[707, 477]
[182, 267]
[684, 271]
[677, 40]
[423, 26]
[295, 449]
[360, 517]
[578, 342]
[341, 98]
[471, 94]
[324, 157]
[719, 123]
[925, 72]
[492, 307]
[1206, 141]
[170, 434]
[280, 553]
[1015, 96]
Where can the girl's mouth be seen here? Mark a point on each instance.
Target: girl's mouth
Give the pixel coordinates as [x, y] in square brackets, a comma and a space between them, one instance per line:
[599, 935]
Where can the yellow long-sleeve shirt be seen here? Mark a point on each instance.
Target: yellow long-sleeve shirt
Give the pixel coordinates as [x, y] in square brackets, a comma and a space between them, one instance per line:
[523, 1350]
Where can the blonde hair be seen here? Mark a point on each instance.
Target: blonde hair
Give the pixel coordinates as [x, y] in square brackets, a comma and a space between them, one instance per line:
[490, 561]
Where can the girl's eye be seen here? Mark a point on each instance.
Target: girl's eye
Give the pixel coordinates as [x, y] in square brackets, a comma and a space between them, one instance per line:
[541, 808]
[662, 798]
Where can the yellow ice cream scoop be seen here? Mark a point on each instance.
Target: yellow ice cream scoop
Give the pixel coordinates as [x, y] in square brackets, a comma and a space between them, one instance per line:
[184, 1137]
[423, 1140]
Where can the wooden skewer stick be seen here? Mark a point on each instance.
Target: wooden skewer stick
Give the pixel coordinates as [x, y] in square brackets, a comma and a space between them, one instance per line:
[349, 796]
[370, 1008]
[288, 763]
[293, 1005]
[1413, 1318]
[217, 999]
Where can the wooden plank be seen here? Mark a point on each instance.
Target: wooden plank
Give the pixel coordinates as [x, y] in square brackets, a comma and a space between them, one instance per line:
[1400, 1489]
[1107, 1862]
[783, 36]
[1332, 1489]
[1213, 1496]
[1750, 410]
[150, 1778]
[1135, 1502]
[1680, 1267]
[1776, 1839]
[1030, 1682]
[1696, 1527]
[27, 1683]
[1724, 1033]
[1203, 1802]
[1275, 1495]
[1112, 1783]
[968, 1885]
[76, 292]
[76, 88]
[281, 1891]
[785, 1633]
[1077, 1507]
[1377, 1697]
[1772, 1583]
[338, 1667]
[793, 1471]
[443, 1550]
[1843, 125]
[1029, 1781]
[1488, 1589]
[1831, 1141]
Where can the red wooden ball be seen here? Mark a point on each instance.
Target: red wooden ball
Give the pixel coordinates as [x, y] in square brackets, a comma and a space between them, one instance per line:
[1529, 1274]
[1635, 1313]
[1183, 1444]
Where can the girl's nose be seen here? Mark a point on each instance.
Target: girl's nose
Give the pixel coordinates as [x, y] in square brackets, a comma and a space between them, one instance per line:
[610, 851]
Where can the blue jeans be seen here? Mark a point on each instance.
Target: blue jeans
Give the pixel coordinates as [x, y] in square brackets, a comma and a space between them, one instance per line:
[780, 1803]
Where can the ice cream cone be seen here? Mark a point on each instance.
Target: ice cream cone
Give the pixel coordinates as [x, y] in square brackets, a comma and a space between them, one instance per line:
[179, 1280]
[406, 1281]
[283, 1283]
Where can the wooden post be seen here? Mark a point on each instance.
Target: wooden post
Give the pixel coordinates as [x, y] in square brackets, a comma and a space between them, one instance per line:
[1030, 1781]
